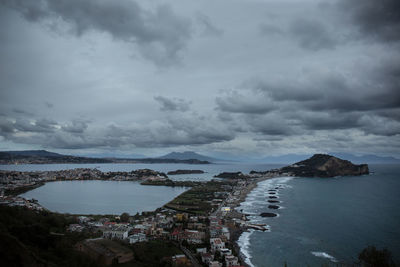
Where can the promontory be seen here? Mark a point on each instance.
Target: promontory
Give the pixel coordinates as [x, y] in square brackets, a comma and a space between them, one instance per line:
[322, 165]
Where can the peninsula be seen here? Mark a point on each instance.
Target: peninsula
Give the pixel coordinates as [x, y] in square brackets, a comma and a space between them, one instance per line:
[319, 165]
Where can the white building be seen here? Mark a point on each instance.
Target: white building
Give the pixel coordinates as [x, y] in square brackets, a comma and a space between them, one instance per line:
[231, 261]
[139, 237]
[216, 244]
[225, 251]
[116, 232]
[225, 233]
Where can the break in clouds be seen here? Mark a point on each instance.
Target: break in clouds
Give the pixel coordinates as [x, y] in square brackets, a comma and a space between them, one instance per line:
[261, 77]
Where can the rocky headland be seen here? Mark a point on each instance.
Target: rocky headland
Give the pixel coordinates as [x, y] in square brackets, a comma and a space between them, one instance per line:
[321, 165]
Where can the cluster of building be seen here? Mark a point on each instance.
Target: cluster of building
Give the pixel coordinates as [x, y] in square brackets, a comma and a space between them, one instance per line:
[11, 181]
[211, 235]
[16, 201]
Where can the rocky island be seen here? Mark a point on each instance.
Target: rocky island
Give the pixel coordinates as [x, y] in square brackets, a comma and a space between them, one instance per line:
[322, 165]
[178, 172]
[231, 175]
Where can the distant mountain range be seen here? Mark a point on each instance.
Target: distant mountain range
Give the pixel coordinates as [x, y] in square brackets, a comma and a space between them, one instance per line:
[188, 155]
[46, 157]
[31, 153]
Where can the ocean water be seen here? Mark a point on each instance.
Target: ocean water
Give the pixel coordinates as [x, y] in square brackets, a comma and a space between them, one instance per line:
[102, 197]
[324, 221]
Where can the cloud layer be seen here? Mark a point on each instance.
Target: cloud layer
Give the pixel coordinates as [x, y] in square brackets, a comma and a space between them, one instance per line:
[160, 34]
[242, 78]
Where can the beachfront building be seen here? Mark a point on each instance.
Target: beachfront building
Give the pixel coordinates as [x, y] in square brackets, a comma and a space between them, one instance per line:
[206, 258]
[225, 233]
[216, 244]
[225, 252]
[231, 260]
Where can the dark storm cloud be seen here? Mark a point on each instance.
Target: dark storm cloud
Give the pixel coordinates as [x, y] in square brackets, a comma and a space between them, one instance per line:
[376, 19]
[269, 29]
[172, 104]
[270, 125]
[22, 112]
[330, 121]
[159, 34]
[377, 125]
[208, 28]
[312, 35]
[78, 134]
[48, 104]
[76, 126]
[367, 100]
[250, 102]
[6, 127]
[38, 126]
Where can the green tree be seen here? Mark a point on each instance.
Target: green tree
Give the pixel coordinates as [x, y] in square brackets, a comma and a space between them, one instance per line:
[373, 257]
[124, 217]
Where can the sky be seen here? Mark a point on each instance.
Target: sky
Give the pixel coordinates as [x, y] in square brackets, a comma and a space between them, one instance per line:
[227, 78]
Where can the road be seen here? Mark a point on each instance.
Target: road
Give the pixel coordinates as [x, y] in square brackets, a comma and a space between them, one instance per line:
[190, 256]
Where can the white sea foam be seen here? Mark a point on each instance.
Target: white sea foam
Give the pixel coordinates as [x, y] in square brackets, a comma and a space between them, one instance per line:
[244, 244]
[322, 254]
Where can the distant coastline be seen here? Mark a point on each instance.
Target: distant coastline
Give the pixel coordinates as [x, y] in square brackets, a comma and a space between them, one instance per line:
[45, 157]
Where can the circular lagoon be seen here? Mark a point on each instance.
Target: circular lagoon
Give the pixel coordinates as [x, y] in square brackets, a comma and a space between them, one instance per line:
[102, 197]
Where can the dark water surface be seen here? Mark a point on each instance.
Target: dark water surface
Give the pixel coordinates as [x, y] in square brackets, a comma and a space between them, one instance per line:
[325, 221]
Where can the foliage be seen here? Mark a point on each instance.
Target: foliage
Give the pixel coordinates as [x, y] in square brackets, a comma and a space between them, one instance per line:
[153, 253]
[124, 217]
[30, 238]
[373, 257]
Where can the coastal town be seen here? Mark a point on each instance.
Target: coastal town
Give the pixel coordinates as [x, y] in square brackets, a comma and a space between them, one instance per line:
[202, 222]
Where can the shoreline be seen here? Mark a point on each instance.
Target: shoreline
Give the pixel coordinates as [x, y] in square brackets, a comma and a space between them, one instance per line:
[241, 230]
[234, 216]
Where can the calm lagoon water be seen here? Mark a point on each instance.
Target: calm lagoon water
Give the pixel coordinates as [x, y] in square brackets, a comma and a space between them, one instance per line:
[102, 197]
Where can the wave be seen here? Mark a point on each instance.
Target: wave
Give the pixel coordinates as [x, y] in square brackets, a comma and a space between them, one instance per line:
[244, 244]
[253, 202]
[322, 254]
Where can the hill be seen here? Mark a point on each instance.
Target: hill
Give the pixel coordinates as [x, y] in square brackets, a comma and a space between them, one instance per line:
[321, 165]
[33, 153]
[46, 157]
[186, 156]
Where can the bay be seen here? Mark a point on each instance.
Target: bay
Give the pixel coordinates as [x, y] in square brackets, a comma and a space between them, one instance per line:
[325, 221]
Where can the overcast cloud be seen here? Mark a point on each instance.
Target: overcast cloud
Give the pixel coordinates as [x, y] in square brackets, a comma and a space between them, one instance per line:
[253, 78]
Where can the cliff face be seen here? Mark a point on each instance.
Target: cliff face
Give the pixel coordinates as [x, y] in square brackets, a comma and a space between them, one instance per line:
[321, 165]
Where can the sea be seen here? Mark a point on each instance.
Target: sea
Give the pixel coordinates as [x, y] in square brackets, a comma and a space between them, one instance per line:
[319, 222]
